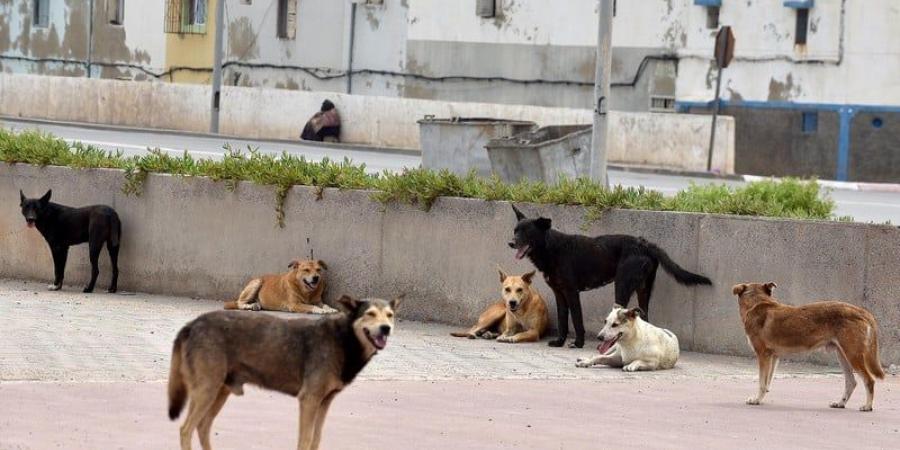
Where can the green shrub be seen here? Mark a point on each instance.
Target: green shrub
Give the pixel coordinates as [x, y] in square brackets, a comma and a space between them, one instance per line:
[790, 198]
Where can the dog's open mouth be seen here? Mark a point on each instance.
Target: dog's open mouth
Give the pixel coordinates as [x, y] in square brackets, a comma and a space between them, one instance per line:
[379, 341]
[29, 223]
[311, 284]
[607, 344]
[522, 251]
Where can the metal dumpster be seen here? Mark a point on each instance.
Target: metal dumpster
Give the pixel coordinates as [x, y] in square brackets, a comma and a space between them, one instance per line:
[545, 154]
[457, 143]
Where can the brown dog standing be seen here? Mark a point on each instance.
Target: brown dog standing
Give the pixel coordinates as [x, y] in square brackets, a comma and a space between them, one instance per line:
[299, 290]
[775, 329]
[520, 316]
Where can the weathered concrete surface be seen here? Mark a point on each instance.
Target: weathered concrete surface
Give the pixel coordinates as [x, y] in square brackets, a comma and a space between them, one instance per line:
[672, 140]
[193, 237]
[88, 371]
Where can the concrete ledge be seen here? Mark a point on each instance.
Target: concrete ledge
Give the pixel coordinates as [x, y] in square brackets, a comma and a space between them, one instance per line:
[192, 237]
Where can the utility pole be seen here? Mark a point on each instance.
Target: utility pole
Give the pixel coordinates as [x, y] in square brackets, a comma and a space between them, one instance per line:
[217, 68]
[90, 49]
[601, 93]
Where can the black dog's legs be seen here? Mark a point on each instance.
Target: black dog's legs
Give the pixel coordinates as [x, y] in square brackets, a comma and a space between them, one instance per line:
[643, 296]
[562, 319]
[60, 254]
[95, 247]
[574, 302]
[114, 260]
[629, 276]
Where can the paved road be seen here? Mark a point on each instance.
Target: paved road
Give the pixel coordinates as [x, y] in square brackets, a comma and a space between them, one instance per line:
[876, 207]
[87, 371]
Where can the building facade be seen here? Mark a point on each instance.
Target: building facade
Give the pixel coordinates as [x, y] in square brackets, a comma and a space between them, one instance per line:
[814, 86]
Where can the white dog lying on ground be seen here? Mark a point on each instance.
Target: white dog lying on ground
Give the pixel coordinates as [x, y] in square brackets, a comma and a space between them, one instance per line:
[628, 342]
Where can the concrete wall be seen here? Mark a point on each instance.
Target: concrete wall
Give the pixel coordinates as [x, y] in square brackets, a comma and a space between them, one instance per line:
[26, 48]
[192, 237]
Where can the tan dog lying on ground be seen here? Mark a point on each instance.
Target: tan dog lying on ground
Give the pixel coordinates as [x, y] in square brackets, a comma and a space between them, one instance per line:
[299, 290]
[520, 316]
[775, 329]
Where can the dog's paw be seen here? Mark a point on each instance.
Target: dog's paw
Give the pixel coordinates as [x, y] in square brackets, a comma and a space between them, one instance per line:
[837, 405]
[631, 368]
[318, 310]
[489, 335]
[507, 339]
[865, 408]
[255, 307]
[583, 363]
[752, 401]
[557, 343]
[472, 336]
[329, 310]
[54, 287]
[87, 290]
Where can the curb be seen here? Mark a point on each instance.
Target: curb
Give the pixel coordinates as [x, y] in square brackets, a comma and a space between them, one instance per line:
[337, 146]
[673, 172]
[841, 185]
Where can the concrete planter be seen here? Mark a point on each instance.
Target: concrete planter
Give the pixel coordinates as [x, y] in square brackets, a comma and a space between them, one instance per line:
[546, 154]
[193, 237]
[457, 144]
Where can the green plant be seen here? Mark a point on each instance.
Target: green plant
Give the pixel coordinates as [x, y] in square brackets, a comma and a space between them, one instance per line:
[790, 198]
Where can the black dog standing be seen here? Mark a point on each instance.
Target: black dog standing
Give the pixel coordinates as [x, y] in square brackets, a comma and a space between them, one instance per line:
[574, 263]
[63, 226]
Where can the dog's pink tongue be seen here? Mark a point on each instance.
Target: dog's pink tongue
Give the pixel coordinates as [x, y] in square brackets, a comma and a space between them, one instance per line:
[30, 224]
[605, 346]
[380, 342]
[520, 253]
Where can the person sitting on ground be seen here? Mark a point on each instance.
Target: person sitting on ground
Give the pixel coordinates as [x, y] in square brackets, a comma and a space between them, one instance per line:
[324, 125]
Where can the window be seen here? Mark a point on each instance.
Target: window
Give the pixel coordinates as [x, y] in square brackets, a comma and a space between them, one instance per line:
[810, 122]
[186, 16]
[712, 17]
[802, 26]
[41, 13]
[287, 19]
[115, 11]
[486, 8]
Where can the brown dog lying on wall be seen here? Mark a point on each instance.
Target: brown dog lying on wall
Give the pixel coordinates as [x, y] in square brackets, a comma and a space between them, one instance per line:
[520, 316]
[775, 329]
[299, 290]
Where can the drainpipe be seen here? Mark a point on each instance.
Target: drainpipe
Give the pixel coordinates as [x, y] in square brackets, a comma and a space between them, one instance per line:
[90, 46]
[351, 38]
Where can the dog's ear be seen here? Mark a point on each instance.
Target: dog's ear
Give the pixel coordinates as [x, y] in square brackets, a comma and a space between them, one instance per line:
[633, 313]
[738, 289]
[349, 303]
[502, 274]
[21, 198]
[46, 198]
[519, 216]
[293, 264]
[528, 276]
[769, 287]
[322, 263]
[396, 301]
[544, 223]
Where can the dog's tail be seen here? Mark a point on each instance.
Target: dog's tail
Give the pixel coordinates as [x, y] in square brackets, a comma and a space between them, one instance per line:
[115, 231]
[177, 388]
[873, 363]
[231, 304]
[682, 276]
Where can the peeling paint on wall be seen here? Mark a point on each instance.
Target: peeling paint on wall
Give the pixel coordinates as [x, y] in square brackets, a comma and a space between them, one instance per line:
[242, 39]
[783, 91]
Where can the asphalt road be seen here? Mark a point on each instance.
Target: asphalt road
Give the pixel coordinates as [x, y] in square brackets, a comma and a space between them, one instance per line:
[863, 206]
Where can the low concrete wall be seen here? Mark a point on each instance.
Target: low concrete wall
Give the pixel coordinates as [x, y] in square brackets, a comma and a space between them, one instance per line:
[192, 237]
[667, 140]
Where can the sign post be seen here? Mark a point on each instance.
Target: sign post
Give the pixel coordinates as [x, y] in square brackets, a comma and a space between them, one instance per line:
[724, 53]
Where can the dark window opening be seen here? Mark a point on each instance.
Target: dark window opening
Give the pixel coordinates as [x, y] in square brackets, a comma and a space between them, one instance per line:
[287, 19]
[712, 17]
[802, 26]
[115, 11]
[41, 13]
[810, 122]
[486, 8]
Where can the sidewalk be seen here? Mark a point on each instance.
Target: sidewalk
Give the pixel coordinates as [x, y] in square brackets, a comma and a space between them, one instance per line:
[88, 371]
